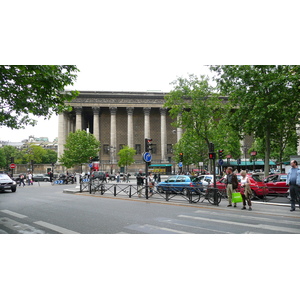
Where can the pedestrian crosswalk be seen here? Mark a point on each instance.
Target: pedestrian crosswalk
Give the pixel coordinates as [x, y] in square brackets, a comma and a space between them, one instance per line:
[194, 221]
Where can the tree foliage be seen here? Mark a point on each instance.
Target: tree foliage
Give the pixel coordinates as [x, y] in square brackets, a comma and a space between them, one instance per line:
[126, 155]
[264, 99]
[79, 147]
[33, 89]
[201, 112]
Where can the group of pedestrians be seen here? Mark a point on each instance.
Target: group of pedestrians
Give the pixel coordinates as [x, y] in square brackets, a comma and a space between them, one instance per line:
[151, 181]
[293, 181]
[27, 178]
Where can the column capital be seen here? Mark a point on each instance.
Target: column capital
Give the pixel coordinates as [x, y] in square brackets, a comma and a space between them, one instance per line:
[78, 110]
[129, 110]
[113, 110]
[162, 111]
[96, 110]
[147, 110]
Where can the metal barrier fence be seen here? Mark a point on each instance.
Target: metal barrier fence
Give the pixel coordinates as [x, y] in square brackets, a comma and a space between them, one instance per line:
[191, 194]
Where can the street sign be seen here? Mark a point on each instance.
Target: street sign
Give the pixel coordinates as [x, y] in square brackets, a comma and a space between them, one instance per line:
[12, 166]
[220, 162]
[91, 165]
[147, 157]
[180, 164]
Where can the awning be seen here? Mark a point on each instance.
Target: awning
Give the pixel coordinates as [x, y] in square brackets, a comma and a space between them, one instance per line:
[160, 165]
[248, 163]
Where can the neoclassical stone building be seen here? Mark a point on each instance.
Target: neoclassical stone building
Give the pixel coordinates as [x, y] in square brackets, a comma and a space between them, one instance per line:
[123, 118]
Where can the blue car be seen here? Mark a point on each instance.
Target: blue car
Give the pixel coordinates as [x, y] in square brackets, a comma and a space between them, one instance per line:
[180, 184]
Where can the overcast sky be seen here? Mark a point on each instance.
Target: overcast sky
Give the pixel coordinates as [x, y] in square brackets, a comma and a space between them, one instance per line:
[138, 46]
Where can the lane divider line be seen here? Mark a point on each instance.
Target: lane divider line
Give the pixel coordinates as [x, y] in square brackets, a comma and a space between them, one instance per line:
[55, 227]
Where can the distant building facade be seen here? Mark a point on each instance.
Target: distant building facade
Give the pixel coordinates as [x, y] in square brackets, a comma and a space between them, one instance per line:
[123, 118]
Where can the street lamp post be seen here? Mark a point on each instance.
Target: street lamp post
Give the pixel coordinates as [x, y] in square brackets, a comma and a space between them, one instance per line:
[112, 158]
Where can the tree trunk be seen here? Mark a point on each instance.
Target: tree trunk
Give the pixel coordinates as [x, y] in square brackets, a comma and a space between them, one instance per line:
[267, 153]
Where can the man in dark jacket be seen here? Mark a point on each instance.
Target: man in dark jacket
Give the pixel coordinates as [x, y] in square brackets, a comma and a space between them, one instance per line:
[231, 182]
[140, 182]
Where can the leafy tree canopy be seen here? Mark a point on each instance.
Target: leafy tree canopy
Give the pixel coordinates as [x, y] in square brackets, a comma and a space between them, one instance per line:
[126, 155]
[264, 99]
[201, 112]
[36, 90]
[79, 147]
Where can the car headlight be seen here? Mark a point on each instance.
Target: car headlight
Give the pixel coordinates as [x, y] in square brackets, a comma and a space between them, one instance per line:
[14, 182]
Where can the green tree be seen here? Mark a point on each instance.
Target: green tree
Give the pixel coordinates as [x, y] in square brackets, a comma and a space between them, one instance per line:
[126, 155]
[8, 152]
[79, 147]
[201, 112]
[264, 100]
[32, 153]
[36, 90]
[2, 159]
[49, 157]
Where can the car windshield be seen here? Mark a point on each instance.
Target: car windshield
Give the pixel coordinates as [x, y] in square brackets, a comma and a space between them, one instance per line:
[256, 178]
[195, 179]
[4, 176]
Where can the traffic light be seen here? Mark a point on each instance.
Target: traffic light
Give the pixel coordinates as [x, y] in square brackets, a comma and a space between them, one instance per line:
[12, 160]
[91, 159]
[212, 155]
[221, 152]
[148, 145]
[181, 157]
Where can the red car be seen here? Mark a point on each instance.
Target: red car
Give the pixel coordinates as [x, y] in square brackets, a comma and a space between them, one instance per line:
[276, 184]
[258, 187]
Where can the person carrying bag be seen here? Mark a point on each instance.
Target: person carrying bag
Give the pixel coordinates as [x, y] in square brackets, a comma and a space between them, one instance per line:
[246, 191]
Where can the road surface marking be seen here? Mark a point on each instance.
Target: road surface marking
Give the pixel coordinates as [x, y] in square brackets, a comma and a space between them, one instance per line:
[14, 214]
[154, 229]
[55, 227]
[259, 226]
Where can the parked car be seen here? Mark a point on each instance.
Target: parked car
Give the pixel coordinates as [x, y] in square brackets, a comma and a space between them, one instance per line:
[258, 187]
[40, 177]
[98, 174]
[276, 184]
[208, 179]
[6, 183]
[180, 184]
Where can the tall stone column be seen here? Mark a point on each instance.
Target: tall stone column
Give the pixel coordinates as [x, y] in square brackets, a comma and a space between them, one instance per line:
[179, 129]
[147, 122]
[163, 133]
[60, 146]
[78, 111]
[96, 124]
[113, 129]
[130, 126]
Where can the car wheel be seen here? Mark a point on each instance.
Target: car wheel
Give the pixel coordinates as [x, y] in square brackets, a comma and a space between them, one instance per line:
[160, 189]
[13, 189]
[45, 180]
[184, 191]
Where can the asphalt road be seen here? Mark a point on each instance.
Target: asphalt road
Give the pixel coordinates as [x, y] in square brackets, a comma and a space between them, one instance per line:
[46, 209]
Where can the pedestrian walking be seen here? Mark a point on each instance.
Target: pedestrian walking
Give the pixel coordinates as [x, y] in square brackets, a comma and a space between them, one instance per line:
[140, 182]
[29, 179]
[22, 177]
[151, 182]
[246, 190]
[293, 181]
[231, 185]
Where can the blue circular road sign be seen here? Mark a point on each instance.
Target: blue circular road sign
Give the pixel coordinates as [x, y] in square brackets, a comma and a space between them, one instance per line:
[180, 164]
[147, 157]
[221, 162]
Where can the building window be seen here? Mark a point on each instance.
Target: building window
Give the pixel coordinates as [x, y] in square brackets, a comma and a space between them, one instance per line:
[138, 148]
[121, 146]
[169, 148]
[154, 149]
[105, 149]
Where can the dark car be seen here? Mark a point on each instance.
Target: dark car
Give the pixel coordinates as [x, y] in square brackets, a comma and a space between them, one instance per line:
[276, 184]
[180, 184]
[40, 177]
[6, 183]
[257, 186]
[99, 175]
